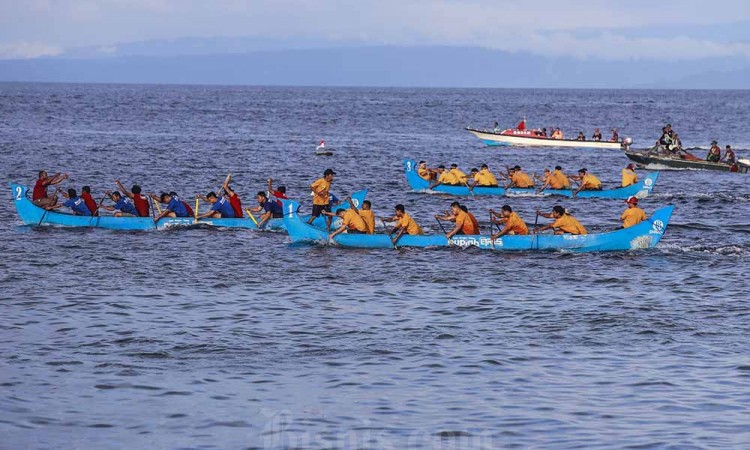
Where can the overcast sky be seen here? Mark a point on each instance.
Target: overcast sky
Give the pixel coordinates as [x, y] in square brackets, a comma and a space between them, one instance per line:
[609, 29]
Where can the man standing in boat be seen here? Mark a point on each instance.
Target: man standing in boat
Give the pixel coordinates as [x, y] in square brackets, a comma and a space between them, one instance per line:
[320, 191]
[633, 215]
[629, 177]
[564, 222]
[39, 195]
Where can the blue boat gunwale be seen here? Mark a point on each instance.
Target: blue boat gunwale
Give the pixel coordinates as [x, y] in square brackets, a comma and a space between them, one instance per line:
[640, 190]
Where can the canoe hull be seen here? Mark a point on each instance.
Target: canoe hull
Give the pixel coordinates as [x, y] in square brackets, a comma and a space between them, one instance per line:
[662, 162]
[640, 190]
[33, 215]
[642, 236]
[525, 138]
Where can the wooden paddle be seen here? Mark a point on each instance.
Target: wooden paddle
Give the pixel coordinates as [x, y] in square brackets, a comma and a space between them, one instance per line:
[533, 233]
[250, 215]
[195, 211]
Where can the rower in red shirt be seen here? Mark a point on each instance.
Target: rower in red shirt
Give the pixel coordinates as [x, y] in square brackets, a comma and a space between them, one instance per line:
[140, 201]
[280, 193]
[89, 200]
[234, 199]
[39, 196]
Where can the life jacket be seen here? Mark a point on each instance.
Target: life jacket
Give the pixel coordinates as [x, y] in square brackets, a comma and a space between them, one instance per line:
[141, 205]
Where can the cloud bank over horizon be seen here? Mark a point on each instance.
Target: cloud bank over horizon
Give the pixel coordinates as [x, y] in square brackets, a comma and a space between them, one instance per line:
[609, 30]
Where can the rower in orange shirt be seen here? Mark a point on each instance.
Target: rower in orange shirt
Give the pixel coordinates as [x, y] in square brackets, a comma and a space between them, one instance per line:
[464, 224]
[586, 182]
[404, 224]
[445, 177]
[633, 215]
[366, 213]
[514, 225]
[564, 222]
[519, 179]
[351, 222]
[629, 177]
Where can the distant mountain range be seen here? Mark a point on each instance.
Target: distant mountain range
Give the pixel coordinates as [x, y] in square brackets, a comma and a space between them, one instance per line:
[318, 64]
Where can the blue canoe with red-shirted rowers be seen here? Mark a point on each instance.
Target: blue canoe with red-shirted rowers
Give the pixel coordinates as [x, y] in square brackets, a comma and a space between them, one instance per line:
[33, 215]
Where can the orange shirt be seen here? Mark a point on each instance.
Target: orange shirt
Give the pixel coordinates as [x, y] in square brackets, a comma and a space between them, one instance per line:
[485, 178]
[521, 180]
[464, 221]
[448, 177]
[591, 182]
[408, 224]
[424, 173]
[569, 224]
[516, 225]
[369, 217]
[628, 177]
[559, 180]
[632, 216]
[320, 185]
[353, 221]
[474, 223]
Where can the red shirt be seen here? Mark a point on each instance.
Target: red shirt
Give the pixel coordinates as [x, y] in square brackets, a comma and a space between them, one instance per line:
[40, 190]
[90, 203]
[281, 195]
[141, 205]
[236, 204]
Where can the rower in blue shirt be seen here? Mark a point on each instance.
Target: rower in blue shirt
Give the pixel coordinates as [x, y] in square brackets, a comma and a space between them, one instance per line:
[220, 207]
[123, 206]
[75, 203]
[175, 206]
[271, 209]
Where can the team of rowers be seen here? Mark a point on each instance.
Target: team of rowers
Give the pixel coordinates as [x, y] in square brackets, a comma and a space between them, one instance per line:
[133, 203]
[517, 178]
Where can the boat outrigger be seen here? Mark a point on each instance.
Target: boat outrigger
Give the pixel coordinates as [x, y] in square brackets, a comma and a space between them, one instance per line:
[641, 236]
[35, 216]
[656, 158]
[639, 190]
[522, 136]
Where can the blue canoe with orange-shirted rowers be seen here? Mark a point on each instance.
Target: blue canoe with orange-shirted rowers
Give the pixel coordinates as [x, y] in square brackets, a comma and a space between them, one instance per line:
[33, 215]
[639, 190]
[641, 236]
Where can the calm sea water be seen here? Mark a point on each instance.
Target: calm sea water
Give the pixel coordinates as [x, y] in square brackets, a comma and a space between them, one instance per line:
[204, 338]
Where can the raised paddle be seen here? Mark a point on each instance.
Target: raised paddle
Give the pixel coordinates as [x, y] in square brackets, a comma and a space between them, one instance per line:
[226, 180]
[195, 211]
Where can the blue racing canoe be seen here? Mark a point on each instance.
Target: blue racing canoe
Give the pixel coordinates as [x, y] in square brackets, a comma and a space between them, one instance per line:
[640, 190]
[33, 215]
[644, 235]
